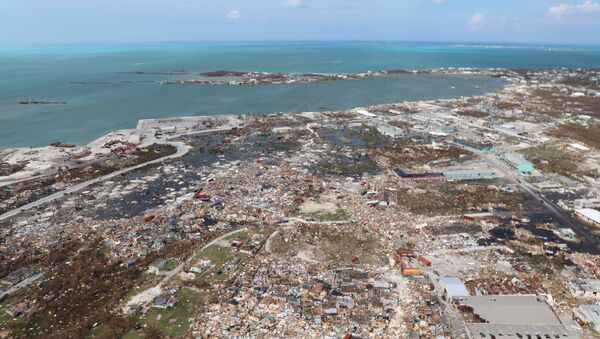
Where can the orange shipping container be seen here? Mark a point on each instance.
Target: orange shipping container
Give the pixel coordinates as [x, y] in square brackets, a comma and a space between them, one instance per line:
[411, 271]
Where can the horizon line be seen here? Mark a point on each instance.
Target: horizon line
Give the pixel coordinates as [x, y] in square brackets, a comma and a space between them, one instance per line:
[225, 41]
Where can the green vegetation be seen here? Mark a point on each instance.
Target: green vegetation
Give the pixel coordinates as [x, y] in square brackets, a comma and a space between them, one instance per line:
[175, 321]
[219, 256]
[17, 325]
[261, 231]
[370, 135]
[553, 159]
[241, 234]
[589, 135]
[102, 331]
[512, 140]
[132, 335]
[170, 265]
[118, 162]
[284, 145]
[339, 215]
[364, 136]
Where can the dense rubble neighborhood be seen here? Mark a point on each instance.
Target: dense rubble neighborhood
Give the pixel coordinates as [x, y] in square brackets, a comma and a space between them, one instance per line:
[476, 217]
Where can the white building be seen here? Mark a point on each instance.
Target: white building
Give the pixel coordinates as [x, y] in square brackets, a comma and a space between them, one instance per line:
[364, 112]
[168, 129]
[589, 215]
[453, 287]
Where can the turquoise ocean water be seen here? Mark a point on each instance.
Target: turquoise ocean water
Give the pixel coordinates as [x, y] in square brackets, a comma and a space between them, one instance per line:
[118, 100]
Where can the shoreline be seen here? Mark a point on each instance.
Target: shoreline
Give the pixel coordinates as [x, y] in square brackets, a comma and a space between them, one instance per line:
[252, 81]
[184, 100]
[44, 157]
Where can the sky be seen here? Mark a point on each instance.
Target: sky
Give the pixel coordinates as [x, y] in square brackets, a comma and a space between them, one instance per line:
[30, 22]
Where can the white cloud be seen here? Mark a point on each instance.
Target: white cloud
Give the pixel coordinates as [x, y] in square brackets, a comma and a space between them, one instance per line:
[563, 9]
[477, 21]
[588, 6]
[235, 14]
[559, 11]
[291, 3]
[437, 1]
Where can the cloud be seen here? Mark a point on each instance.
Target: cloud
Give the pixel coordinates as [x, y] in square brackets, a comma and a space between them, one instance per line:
[291, 3]
[477, 21]
[438, 1]
[563, 9]
[588, 6]
[235, 14]
[559, 11]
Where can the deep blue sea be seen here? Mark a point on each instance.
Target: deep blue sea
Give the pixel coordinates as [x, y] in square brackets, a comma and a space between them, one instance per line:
[117, 100]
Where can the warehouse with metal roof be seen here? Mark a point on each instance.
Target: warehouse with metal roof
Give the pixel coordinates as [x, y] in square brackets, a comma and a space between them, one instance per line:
[517, 161]
[589, 215]
[518, 316]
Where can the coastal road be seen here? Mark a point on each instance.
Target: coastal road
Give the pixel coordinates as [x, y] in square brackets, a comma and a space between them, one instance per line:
[182, 149]
[50, 171]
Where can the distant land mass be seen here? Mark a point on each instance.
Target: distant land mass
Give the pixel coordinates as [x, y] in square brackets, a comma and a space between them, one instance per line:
[122, 81]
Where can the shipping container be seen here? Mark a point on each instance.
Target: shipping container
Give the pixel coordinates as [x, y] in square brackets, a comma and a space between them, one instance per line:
[411, 271]
[468, 218]
[202, 196]
[405, 252]
[424, 261]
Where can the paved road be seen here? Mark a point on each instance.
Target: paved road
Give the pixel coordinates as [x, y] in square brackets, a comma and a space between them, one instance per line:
[6, 182]
[178, 269]
[182, 149]
[550, 206]
[471, 249]
[20, 285]
[340, 222]
[213, 242]
[71, 165]
[454, 317]
[146, 296]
